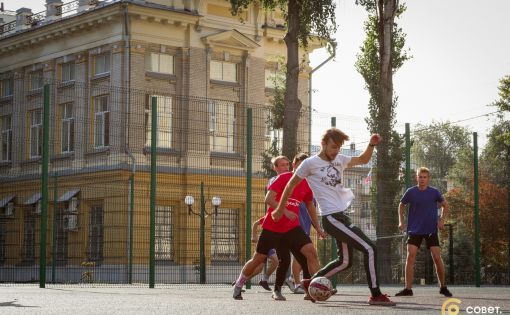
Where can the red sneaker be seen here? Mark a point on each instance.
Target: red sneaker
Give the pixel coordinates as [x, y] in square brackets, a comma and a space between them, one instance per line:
[382, 300]
[305, 283]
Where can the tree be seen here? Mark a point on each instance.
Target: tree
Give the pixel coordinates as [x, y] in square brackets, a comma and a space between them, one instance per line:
[382, 54]
[495, 160]
[438, 146]
[306, 19]
[493, 215]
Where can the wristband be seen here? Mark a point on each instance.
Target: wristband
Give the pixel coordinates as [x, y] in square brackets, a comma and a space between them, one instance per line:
[372, 145]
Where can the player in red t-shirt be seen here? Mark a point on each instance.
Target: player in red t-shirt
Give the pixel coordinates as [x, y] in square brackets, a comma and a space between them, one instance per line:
[286, 235]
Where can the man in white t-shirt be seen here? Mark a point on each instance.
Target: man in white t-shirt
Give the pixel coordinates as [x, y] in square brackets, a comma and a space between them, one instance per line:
[324, 173]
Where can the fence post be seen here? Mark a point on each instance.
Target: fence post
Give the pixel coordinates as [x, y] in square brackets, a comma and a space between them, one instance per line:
[408, 156]
[202, 234]
[477, 210]
[249, 157]
[130, 218]
[44, 186]
[154, 121]
[54, 229]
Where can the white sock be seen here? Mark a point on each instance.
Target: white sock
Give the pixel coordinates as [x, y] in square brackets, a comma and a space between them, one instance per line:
[241, 280]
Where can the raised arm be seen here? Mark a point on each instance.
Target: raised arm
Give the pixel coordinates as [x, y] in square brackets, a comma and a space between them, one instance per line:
[364, 158]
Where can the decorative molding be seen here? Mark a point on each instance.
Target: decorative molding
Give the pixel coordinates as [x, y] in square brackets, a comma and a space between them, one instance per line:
[231, 39]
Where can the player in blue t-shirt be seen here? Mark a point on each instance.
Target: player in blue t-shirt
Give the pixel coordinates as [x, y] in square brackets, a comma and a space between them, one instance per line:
[422, 223]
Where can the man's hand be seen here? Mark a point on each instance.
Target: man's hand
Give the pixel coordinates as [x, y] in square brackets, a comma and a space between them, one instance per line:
[254, 240]
[277, 214]
[402, 226]
[375, 139]
[440, 224]
[322, 234]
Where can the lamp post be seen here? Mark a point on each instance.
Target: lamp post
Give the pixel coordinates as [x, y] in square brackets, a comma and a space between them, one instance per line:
[216, 202]
[450, 252]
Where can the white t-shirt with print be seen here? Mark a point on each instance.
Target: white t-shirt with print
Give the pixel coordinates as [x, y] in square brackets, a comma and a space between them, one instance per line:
[326, 180]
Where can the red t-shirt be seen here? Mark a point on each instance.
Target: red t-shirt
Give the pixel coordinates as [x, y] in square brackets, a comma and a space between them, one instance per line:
[301, 192]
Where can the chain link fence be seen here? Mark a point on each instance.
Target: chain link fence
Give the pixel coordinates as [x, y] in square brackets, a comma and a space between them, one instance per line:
[137, 198]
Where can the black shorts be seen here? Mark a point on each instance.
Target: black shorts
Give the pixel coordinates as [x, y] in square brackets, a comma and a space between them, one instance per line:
[430, 240]
[295, 238]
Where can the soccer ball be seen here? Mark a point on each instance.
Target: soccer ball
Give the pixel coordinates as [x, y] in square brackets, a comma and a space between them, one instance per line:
[320, 288]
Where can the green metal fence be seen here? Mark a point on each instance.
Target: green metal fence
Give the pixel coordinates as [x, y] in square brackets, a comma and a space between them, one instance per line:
[145, 187]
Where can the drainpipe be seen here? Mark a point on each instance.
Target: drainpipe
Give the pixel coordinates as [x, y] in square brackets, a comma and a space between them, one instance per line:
[127, 83]
[310, 96]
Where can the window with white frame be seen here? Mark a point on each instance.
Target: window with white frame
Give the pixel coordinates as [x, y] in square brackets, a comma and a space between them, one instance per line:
[36, 80]
[6, 87]
[164, 113]
[36, 133]
[225, 235]
[161, 63]
[67, 128]
[222, 126]
[6, 138]
[96, 227]
[274, 137]
[101, 122]
[67, 71]
[164, 233]
[102, 64]
[223, 71]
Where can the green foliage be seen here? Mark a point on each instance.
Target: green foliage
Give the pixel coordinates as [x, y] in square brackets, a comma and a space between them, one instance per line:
[368, 65]
[316, 17]
[495, 160]
[267, 155]
[277, 109]
[275, 117]
[503, 104]
[437, 146]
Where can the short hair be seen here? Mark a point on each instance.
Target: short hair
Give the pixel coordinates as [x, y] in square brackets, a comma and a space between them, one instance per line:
[422, 169]
[275, 160]
[338, 136]
[300, 157]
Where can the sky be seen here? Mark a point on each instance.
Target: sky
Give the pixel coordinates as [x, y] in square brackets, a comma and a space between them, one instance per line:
[460, 50]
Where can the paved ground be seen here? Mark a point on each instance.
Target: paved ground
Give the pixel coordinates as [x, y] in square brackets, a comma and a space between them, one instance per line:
[29, 299]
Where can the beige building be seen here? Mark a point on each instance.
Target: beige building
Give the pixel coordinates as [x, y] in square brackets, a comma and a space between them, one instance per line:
[104, 61]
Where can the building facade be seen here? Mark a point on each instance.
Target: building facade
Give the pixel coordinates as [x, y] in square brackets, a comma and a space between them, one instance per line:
[104, 63]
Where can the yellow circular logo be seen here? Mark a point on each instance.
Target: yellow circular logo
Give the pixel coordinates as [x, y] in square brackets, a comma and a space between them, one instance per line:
[450, 307]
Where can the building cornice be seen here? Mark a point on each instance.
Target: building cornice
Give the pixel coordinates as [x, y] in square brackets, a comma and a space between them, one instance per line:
[59, 29]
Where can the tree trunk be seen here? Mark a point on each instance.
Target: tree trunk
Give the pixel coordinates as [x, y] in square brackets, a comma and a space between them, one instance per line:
[292, 103]
[387, 214]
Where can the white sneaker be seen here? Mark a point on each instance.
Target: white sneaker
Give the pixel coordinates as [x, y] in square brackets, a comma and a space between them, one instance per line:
[290, 284]
[299, 290]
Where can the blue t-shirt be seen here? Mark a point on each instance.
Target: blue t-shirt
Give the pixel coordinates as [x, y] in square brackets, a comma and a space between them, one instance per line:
[304, 218]
[422, 217]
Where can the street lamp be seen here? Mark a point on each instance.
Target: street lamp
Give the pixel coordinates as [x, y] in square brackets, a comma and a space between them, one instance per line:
[216, 202]
[189, 201]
